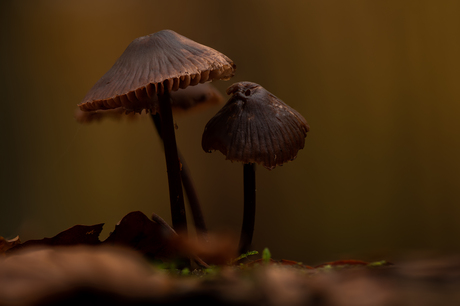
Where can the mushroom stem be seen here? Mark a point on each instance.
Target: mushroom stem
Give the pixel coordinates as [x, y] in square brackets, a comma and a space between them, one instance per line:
[176, 197]
[188, 185]
[249, 211]
[193, 201]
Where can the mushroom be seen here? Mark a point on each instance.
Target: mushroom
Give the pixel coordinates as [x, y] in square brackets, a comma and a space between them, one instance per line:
[182, 101]
[156, 65]
[254, 127]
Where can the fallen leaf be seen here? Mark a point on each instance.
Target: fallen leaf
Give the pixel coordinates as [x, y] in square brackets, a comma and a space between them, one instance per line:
[6, 244]
[78, 234]
[148, 237]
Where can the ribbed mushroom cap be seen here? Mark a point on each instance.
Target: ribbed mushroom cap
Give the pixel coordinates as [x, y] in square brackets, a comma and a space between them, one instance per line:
[254, 126]
[153, 64]
[185, 100]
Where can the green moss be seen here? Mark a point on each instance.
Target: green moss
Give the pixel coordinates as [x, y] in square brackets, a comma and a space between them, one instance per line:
[243, 256]
[266, 256]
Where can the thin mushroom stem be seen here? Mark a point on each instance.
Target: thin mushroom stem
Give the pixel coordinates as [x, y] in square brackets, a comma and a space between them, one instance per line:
[176, 197]
[193, 201]
[188, 186]
[249, 211]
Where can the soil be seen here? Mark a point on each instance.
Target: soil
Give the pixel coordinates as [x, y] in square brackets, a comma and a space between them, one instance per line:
[141, 265]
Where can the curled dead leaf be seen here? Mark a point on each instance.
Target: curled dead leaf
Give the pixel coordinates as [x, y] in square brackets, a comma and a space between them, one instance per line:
[150, 238]
[78, 234]
[6, 244]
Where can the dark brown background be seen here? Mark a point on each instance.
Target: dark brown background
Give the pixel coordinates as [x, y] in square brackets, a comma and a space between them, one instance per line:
[378, 81]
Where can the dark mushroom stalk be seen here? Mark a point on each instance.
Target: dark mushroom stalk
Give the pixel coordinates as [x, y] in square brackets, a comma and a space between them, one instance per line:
[176, 197]
[198, 96]
[187, 183]
[156, 65]
[184, 101]
[249, 208]
[254, 127]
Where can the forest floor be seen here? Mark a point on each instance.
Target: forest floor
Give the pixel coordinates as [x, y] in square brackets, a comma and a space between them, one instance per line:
[135, 266]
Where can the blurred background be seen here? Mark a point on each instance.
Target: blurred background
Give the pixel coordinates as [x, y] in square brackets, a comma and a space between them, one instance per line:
[378, 82]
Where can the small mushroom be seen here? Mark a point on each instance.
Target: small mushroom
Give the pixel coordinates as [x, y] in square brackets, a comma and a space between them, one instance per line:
[156, 65]
[254, 127]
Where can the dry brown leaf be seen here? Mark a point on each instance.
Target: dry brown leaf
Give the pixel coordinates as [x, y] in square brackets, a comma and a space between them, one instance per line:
[6, 244]
[78, 234]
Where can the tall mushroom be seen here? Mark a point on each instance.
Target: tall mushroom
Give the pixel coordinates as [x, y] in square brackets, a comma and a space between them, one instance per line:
[156, 65]
[254, 127]
[182, 101]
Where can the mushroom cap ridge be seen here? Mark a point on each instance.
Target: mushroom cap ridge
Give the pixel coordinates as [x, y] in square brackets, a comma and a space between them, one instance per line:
[254, 126]
[153, 64]
[192, 98]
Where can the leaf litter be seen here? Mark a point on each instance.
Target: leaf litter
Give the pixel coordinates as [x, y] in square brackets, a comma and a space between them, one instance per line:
[144, 262]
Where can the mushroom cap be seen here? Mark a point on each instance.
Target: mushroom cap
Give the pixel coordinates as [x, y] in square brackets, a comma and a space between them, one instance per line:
[254, 126]
[185, 100]
[153, 64]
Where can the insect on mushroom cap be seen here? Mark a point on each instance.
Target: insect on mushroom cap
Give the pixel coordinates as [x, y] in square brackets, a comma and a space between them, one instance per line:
[153, 64]
[254, 126]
